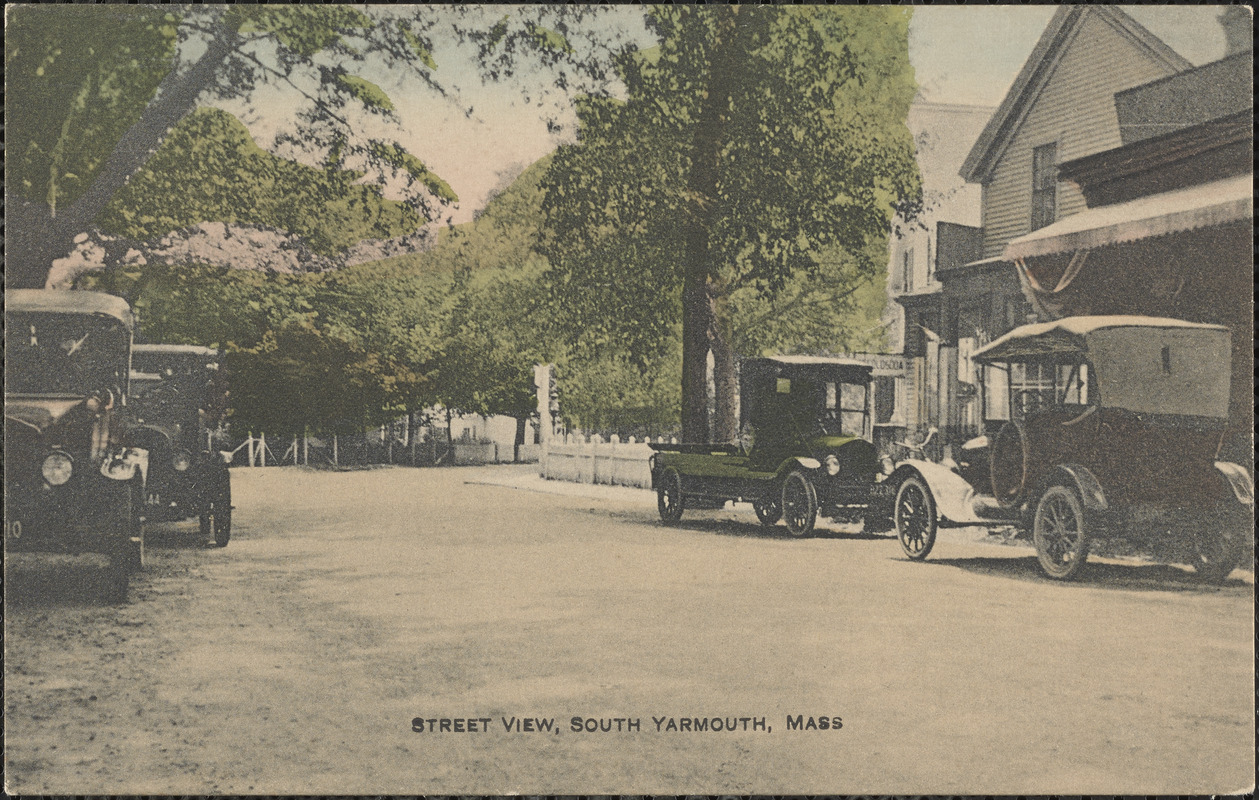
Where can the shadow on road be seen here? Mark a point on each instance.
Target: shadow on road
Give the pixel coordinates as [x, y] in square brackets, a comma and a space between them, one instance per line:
[60, 581]
[173, 535]
[1100, 575]
[733, 527]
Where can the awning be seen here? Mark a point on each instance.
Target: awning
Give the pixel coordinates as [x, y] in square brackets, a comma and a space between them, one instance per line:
[1206, 205]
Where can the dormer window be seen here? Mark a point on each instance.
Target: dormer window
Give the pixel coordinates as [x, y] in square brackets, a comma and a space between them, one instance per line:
[1044, 185]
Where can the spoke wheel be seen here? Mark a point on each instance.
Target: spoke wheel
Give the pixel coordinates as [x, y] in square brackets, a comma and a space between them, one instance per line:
[1218, 541]
[1060, 532]
[799, 506]
[669, 499]
[915, 518]
[768, 510]
[216, 520]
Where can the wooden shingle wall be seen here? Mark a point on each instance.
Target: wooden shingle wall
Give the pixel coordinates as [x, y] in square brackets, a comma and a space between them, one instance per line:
[1074, 108]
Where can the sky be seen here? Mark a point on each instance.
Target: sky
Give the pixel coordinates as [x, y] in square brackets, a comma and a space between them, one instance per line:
[961, 54]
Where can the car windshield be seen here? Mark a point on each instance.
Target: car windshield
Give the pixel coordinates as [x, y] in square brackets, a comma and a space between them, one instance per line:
[844, 410]
[64, 354]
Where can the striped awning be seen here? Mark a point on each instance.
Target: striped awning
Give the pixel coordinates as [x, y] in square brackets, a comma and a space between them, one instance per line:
[1203, 206]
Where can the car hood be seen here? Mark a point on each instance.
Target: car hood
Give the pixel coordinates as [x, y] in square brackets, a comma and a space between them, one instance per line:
[39, 413]
[834, 442]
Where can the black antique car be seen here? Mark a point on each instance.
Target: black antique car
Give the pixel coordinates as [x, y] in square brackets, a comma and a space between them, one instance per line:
[804, 448]
[73, 477]
[1118, 438]
[179, 399]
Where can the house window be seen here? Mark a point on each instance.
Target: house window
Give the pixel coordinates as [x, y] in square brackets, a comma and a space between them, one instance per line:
[907, 269]
[1044, 185]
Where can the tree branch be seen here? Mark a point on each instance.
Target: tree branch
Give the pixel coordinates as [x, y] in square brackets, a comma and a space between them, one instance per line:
[176, 97]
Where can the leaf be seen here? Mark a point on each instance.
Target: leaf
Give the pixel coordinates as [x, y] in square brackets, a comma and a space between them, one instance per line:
[547, 39]
[397, 157]
[417, 45]
[368, 93]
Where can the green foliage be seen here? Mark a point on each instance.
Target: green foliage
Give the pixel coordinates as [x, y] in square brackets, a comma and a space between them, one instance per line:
[77, 77]
[759, 156]
[209, 168]
[395, 156]
[611, 394]
[333, 351]
[366, 92]
[303, 30]
[836, 309]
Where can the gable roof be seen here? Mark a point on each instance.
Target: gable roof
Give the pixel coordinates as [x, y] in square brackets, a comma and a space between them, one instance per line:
[1058, 34]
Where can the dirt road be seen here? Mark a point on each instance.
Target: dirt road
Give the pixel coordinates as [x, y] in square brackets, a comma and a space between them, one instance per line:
[349, 604]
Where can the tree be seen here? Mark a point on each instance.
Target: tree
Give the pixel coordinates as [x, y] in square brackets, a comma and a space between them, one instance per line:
[757, 144]
[94, 90]
[240, 183]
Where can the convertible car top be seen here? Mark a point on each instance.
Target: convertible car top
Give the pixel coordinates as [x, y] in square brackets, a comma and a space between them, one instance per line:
[1071, 335]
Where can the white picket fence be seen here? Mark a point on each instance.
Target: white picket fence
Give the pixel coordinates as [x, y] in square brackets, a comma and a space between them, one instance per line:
[595, 461]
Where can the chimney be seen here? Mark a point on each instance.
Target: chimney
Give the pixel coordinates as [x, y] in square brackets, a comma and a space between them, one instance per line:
[1238, 24]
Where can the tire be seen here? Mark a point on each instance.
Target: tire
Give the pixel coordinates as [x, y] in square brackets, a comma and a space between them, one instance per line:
[799, 504]
[1009, 462]
[669, 500]
[768, 510]
[915, 518]
[1060, 532]
[1218, 542]
[126, 538]
[216, 520]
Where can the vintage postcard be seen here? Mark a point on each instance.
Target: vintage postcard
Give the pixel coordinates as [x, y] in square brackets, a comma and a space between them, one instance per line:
[621, 400]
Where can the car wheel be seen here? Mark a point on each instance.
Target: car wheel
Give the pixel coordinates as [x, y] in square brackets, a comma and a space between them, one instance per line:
[669, 499]
[768, 510]
[126, 539]
[216, 520]
[1060, 532]
[1218, 541]
[915, 518]
[799, 506]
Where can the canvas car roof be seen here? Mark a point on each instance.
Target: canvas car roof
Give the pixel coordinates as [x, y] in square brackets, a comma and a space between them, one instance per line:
[69, 302]
[1068, 336]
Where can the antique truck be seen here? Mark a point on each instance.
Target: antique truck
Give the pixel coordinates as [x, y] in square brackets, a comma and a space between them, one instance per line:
[804, 448]
[73, 477]
[1118, 438]
[179, 399]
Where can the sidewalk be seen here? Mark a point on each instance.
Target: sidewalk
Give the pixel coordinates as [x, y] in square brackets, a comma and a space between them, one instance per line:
[526, 478]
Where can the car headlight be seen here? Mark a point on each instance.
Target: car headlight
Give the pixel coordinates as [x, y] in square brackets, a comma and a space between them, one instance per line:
[57, 468]
[886, 465]
[832, 465]
[181, 460]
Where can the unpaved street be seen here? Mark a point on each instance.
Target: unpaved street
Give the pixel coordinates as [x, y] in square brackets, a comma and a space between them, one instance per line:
[349, 603]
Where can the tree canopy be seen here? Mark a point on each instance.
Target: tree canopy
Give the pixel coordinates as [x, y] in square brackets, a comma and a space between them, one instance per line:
[760, 147]
[93, 90]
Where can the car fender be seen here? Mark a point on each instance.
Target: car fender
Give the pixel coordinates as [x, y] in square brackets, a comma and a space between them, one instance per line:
[952, 493]
[124, 463]
[1084, 481]
[1239, 480]
[804, 462]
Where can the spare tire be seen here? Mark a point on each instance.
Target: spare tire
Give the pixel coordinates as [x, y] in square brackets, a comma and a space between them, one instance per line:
[1008, 463]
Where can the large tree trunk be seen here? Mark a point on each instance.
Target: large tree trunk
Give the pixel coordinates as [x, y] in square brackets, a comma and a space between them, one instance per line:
[697, 308]
[35, 236]
[694, 363]
[726, 424]
[521, 426]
